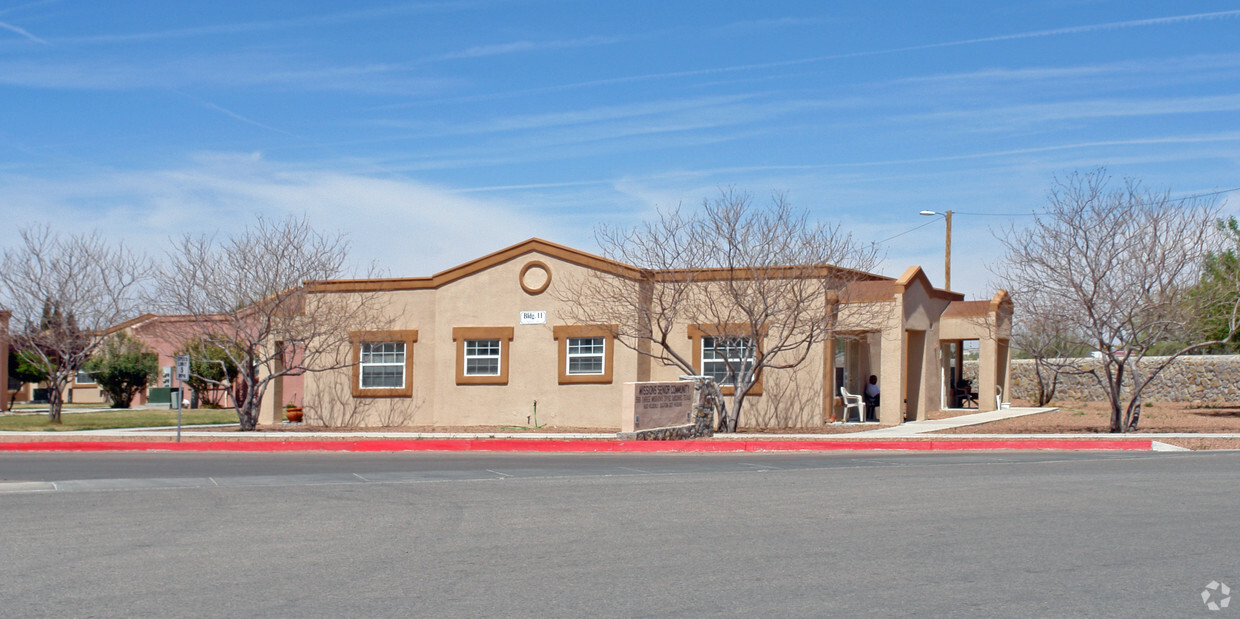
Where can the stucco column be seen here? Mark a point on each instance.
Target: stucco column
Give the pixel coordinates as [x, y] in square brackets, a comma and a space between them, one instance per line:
[829, 388]
[273, 398]
[987, 364]
[891, 376]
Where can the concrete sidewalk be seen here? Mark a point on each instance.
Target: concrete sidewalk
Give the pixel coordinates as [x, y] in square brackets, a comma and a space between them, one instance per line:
[914, 428]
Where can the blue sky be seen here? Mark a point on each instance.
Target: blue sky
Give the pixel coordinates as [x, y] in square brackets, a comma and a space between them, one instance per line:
[435, 132]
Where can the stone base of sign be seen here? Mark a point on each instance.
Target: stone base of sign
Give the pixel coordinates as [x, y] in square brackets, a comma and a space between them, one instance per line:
[700, 428]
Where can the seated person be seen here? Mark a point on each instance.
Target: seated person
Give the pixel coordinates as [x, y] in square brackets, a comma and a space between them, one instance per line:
[965, 393]
[871, 397]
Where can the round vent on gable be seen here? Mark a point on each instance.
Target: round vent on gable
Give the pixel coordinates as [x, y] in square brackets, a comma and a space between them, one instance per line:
[535, 277]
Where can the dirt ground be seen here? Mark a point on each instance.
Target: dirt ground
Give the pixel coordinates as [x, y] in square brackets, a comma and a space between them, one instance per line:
[1094, 418]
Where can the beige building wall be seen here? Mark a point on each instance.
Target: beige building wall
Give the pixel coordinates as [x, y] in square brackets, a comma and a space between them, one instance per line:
[894, 329]
[495, 298]
[490, 298]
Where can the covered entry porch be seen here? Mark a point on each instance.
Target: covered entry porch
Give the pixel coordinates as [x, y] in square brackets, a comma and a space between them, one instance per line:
[984, 326]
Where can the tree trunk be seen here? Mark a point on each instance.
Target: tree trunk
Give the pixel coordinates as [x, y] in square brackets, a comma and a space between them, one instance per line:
[1115, 386]
[54, 403]
[247, 415]
[1136, 417]
[1135, 407]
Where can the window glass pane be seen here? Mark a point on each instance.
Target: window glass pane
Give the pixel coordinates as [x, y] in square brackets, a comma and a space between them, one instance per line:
[481, 367]
[383, 352]
[585, 346]
[382, 365]
[716, 370]
[585, 355]
[585, 365]
[481, 348]
[380, 376]
[720, 353]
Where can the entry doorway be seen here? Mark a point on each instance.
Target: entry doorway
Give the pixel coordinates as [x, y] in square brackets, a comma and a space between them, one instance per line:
[856, 358]
[959, 390]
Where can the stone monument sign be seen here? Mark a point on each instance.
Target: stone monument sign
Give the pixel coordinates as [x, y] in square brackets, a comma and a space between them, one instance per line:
[649, 405]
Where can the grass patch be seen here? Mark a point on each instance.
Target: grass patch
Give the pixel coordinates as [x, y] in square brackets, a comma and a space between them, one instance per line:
[27, 406]
[120, 418]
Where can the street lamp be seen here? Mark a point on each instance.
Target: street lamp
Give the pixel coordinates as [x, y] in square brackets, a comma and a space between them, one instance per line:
[947, 255]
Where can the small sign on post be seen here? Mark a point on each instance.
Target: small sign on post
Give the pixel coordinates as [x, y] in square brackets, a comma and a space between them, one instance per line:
[182, 376]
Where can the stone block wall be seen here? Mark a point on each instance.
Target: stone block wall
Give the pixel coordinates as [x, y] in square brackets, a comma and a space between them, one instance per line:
[1202, 378]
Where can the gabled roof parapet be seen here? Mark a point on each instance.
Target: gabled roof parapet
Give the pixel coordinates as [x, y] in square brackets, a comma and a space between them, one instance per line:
[130, 323]
[586, 260]
[915, 273]
[448, 276]
[1001, 300]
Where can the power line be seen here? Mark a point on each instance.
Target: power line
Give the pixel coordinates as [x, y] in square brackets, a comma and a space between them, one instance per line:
[1034, 214]
[994, 214]
[932, 221]
[1181, 199]
[1205, 195]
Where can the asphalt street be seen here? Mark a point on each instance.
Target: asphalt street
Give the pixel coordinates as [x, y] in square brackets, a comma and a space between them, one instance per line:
[418, 534]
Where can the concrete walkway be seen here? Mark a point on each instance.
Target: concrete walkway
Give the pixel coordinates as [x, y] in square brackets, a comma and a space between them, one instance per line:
[914, 428]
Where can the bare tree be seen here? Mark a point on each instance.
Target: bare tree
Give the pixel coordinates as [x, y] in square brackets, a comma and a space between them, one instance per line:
[1113, 268]
[1044, 341]
[65, 292]
[332, 404]
[243, 298]
[758, 285]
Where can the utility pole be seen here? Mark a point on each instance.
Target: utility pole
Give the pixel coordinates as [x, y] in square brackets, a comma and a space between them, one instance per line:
[947, 251]
[947, 254]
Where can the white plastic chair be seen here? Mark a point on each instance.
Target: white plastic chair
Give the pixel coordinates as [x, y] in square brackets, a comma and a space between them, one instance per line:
[853, 401]
[999, 403]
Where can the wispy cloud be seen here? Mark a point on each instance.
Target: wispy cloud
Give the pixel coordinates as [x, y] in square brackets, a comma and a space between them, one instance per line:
[21, 31]
[1198, 66]
[589, 116]
[1004, 118]
[101, 72]
[231, 114]
[1138, 23]
[329, 19]
[409, 227]
[497, 49]
[984, 155]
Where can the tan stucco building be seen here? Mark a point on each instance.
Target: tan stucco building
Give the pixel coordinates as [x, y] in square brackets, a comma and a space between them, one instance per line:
[488, 343]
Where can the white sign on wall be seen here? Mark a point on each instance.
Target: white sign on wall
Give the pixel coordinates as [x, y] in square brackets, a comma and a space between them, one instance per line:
[538, 317]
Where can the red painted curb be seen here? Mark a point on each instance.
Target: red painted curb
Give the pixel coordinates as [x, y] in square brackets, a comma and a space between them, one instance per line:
[512, 445]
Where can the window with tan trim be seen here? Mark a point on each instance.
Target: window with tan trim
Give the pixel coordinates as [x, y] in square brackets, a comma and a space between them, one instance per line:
[482, 355]
[716, 347]
[586, 353]
[383, 363]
